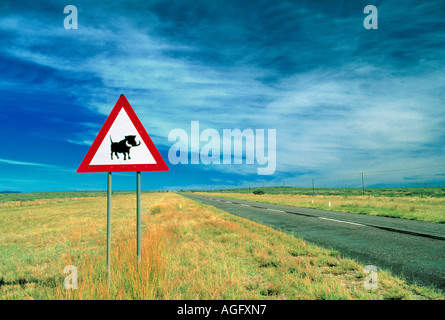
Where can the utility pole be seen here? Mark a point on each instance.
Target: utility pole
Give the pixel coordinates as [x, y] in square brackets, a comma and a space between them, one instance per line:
[363, 184]
[312, 184]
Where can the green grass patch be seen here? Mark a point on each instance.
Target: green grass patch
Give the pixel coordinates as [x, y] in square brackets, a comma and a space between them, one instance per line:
[425, 208]
[432, 192]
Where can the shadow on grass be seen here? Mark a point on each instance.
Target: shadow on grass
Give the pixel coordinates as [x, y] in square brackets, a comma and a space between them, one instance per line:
[47, 282]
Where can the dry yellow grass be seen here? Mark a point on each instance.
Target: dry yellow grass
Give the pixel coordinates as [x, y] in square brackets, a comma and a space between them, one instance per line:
[189, 251]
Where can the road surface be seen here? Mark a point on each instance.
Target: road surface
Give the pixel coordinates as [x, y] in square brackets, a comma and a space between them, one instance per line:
[414, 250]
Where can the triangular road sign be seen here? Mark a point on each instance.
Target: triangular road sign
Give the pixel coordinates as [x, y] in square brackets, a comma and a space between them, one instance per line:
[122, 144]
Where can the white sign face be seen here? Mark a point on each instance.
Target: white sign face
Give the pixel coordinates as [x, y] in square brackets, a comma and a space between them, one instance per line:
[122, 145]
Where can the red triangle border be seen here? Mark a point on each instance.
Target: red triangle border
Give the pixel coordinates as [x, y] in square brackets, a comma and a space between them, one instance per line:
[122, 102]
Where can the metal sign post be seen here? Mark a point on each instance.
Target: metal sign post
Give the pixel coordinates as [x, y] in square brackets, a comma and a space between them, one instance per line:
[122, 145]
[109, 229]
[138, 214]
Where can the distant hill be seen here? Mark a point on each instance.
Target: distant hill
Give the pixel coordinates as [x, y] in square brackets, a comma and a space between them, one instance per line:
[7, 191]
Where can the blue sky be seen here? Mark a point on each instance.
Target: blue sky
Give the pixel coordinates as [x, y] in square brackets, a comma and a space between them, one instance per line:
[343, 99]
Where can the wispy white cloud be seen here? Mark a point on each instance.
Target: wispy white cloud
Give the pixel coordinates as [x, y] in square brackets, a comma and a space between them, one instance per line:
[25, 163]
[42, 166]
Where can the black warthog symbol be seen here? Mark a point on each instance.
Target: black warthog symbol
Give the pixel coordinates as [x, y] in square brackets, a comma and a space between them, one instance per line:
[123, 146]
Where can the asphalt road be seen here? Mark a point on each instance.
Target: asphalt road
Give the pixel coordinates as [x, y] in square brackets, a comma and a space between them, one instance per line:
[414, 250]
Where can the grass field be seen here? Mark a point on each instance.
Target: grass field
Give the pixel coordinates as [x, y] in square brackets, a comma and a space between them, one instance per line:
[189, 251]
[22, 198]
[429, 192]
[424, 204]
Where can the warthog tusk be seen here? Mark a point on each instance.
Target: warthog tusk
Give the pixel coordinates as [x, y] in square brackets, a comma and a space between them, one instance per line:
[130, 145]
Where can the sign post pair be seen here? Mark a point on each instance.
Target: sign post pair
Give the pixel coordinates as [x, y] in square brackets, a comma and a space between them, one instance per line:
[122, 145]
